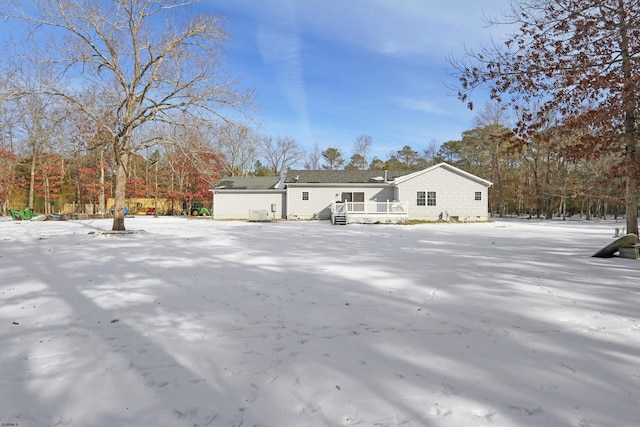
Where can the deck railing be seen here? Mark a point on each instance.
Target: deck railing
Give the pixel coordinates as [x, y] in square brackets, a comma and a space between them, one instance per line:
[370, 208]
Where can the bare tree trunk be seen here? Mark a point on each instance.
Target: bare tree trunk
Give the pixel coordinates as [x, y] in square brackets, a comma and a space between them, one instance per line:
[119, 198]
[32, 179]
[78, 198]
[498, 175]
[632, 204]
[630, 125]
[155, 193]
[547, 188]
[47, 196]
[549, 208]
[122, 160]
[101, 202]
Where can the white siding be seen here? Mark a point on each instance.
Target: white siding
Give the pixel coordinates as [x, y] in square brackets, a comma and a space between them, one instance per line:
[237, 204]
[321, 197]
[455, 196]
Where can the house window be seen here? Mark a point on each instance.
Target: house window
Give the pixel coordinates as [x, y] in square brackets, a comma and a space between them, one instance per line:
[478, 195]
[422, 198]
[431, 198]
[305, 195]
[352, 197]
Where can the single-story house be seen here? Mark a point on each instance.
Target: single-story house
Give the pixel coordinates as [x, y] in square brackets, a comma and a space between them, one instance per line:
[440, 192]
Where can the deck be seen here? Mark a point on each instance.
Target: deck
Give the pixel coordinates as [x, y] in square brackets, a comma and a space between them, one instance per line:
[369, 212]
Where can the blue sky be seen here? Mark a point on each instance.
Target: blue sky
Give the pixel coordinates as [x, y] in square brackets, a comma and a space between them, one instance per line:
[327, 71]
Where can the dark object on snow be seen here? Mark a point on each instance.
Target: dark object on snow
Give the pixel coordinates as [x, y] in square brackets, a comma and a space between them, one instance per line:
[610, 250]
[55, 217]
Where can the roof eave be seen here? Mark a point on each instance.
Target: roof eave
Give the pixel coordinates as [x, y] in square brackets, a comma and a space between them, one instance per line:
[338, 184]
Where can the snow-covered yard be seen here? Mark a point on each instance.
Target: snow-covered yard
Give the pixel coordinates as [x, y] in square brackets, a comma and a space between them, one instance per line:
[195, 322]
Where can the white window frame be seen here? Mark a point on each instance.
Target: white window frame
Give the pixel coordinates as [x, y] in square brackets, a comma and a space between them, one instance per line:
[431, 198]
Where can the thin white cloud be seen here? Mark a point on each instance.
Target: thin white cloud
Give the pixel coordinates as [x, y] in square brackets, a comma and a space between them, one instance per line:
[402, 27]
[420, 105]
[401, 46]
[278, 40]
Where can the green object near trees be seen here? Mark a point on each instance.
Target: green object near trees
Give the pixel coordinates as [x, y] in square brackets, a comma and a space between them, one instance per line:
[200, 211]
[24, 214]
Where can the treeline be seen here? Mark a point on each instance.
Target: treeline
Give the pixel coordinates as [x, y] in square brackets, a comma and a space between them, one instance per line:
[535, 177]
[47, 174]
[182, 163]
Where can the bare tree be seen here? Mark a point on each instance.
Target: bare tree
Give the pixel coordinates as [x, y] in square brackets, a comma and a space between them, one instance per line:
[430, 154]
[149, 61]
[313, 159]
[281, 154]
[579, 58]
[239, 147]
[362, 147]
[38, 122]
[8, 158]
[496, 139]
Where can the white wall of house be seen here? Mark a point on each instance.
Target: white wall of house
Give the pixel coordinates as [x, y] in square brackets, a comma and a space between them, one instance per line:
[320, 197]
[458, 196]
[455, 196]
[236, 204]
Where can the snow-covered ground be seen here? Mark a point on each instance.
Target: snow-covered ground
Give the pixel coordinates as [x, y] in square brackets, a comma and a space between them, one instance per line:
[194, 322]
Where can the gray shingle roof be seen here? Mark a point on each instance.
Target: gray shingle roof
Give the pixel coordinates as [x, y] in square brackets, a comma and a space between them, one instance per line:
[304, 176]
[248, 183]
[340, 176]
